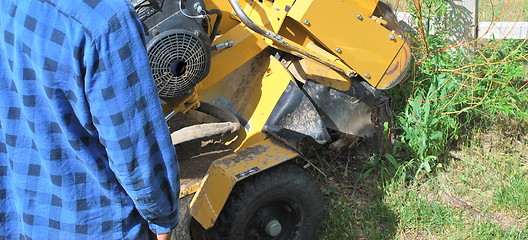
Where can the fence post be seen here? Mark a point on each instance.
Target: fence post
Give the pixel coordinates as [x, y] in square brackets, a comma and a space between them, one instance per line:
[472, 7]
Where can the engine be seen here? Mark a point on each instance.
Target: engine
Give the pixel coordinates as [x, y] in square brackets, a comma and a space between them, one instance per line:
[178, 46]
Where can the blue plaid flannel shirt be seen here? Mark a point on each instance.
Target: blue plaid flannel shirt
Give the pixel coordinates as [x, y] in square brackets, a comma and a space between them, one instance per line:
[85, 152]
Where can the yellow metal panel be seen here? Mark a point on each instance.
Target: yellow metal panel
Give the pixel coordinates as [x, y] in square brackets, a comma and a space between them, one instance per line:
[265, 15]
[252, 91]
[283, 4]
[227, 21]
[225, 172]
[360, 42]
[365, 7]
[268, 17]
[323, 74]
[396, 71]
[274, 82]
[182, 103]
[246, 45]
[299, 9]
[293, 30]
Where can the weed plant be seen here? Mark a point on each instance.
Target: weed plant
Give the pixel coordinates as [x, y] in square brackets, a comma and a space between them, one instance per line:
[453, 83]
[458, 168]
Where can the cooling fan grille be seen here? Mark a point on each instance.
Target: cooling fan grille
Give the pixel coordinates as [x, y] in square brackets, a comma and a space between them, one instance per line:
[178, 61]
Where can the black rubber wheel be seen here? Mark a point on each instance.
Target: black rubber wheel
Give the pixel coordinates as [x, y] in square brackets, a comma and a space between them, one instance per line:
[282, 203]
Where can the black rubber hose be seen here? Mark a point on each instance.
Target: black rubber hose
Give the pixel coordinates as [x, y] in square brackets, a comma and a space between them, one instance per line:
[218, 13]
[217, 112]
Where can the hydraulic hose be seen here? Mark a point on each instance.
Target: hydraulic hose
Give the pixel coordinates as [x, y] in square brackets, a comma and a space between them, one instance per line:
[284, 42]
[214, 31]
[246, 20]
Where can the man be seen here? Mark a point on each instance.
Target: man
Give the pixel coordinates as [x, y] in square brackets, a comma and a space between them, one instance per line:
[84, 150]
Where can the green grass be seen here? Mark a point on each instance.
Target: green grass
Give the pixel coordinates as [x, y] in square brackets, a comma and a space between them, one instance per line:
[458, 167]
[354, 215]
[513, 195]
[477, 194]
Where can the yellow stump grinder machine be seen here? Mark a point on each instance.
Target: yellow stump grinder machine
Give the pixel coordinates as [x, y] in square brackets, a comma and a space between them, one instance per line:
[261, 78]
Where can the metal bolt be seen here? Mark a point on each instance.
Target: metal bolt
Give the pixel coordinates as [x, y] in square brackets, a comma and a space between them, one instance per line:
[338, 50]
[350, 74]
[367, 75]
[273, 228]
[359, 17]
[198, 7]
[391, 37]
[306, 22]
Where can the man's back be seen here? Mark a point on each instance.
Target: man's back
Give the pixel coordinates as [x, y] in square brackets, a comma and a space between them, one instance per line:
[82, 138]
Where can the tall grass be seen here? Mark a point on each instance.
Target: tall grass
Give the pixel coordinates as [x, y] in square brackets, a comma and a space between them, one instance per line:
[454, 83]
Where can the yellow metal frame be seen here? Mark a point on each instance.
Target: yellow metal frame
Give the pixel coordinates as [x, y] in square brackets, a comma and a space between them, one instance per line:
[182, 103]
[253, 91]
[224, 62]
[359, 41]
[342, 38]
[341, 34]
[224, 173]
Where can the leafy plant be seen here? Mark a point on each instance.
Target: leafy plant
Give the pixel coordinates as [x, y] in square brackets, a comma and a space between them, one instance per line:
[453, 83]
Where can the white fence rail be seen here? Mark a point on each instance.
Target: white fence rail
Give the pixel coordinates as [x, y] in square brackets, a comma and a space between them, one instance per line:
[462, 19]
[499, 30]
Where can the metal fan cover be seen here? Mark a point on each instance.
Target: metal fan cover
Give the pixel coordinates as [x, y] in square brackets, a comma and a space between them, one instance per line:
[179, 60]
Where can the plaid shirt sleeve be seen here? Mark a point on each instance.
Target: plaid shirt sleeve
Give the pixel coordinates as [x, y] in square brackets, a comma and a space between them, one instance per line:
[85, 152]
[128, 117]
